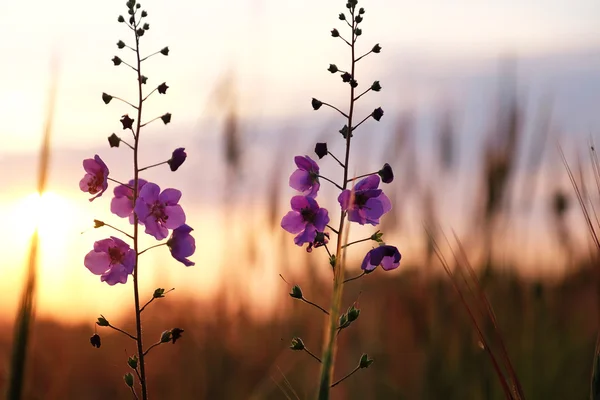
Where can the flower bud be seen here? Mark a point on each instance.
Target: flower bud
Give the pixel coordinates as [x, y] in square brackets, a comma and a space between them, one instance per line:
[98, 224]
[377, 236]
[143, 79]
[386, 173]
[342, 17]
[376, 86]
[138, 5]
[297, 344]
[296, 292]
[165, 51]
[106, 98]
[353, 83]
[158, 293]
[114, 140]
[177, 158]
[120, 44]
[102, 321]
[316, 104]
[358, 31]
[365, 361]
[332, 260]
[353, 313]
[376, 48]
[358, 19]
[133, 361]
[121, 19]
[144, 14]
[131, 20]
[140, 32]
[361, 11]
[165, 337]
[176, 332]
[128, 378]
[321, 150]
[332, 68]
[344, 131]
[166, 118]
[346, 77]
[95, 340]
[116, 60]
[146, 26]
[377, 114]
[335, 33]
[162, 88]
[343, 321]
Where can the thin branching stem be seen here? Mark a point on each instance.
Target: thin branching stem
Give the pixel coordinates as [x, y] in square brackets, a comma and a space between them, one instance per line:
[147, 57]
[126, 144]
[361, 122]
[136, 294]
[314, 305]
[148, 95]
[152, 247]
[335, 108]
[153, 346]
[153, 165]
[356, 277]
[333, 229]
[346, 377]
[124, 101]
[362, 94]
[130, 66]
[119, 182]
[364, 55]
[119, 230]
[135, 396]
[329, 180]
[363, 176]
[355, 242]
[152, 120]
[122, 331]
[336, 159]
[153, 298]
[312, 355]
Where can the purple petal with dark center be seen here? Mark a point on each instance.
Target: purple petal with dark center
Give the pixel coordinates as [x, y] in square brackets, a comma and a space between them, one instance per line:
[370, 182]
[300, 202]
[344, 199]
[150, 193]
[176, 216]
[170, 197]
[293, 222]
[300, 180]
[306, 236]
[97, 262]
[321, 219]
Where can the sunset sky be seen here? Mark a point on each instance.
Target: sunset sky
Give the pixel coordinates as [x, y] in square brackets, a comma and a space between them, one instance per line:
[276, 52]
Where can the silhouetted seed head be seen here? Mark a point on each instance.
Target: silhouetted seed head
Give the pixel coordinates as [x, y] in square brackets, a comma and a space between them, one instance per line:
[146, 26]
[114, 140]
[296, 292]
[166, 118]
[121, 19]
[376, 48]
[332, 68]
[353, 83]
[376, 86]
[316, 104]
[116, 60]
[162, 88]
[321, 150]
[144, 14]
[342, 17]
[95, 340]
[377, 114]
[165, 51]
[126, 121]
[346, 77]
[106, 98]
[120, 44]
[176, 332]
[297, 344]
[143, 79]
[335, 33]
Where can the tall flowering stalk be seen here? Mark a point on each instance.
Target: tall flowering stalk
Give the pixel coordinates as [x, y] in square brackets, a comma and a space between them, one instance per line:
[360, 199]
[142, 203]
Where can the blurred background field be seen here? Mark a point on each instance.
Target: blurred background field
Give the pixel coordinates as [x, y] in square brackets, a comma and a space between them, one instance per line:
[473, 118]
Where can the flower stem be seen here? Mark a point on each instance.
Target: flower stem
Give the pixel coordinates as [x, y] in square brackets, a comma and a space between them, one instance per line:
[122, 331]
[363, 176]
[153, 346]
[356, 277]
[135, 396]
[315, 357]
[119, 230]
[347, 376]
[315, 305]
[329, 350]
[120, 183]
[336, 159]
[335, 108]
[329, 180]
[356, 241]
[152, 166]
[136, 294]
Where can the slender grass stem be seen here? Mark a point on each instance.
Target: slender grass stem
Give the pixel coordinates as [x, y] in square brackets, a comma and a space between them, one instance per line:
[119, 230]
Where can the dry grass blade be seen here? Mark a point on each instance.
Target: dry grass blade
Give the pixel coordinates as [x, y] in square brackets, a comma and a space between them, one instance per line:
[454, 280]
[26, 313]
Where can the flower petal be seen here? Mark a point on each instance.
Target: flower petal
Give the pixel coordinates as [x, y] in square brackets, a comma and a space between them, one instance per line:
[170, 197]
[293, 222]
[176, 216]
[97, 262]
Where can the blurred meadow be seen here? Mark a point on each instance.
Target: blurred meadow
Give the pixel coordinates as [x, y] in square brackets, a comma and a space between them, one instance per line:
[478, 96]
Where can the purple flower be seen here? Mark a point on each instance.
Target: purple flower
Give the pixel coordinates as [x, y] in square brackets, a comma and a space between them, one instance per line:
[95, 180]
[178, 157]
[182, 244]
[306, 178]
[386, 256]
[122, 203]
[159, 211]
[306, 219]
[112, 259]
[366, 203]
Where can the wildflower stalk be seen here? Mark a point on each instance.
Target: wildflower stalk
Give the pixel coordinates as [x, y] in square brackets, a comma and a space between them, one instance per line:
[329, 350]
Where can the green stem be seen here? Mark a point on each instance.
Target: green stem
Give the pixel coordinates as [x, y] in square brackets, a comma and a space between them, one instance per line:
[329, 350]
[346, 377]
[136, 294]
